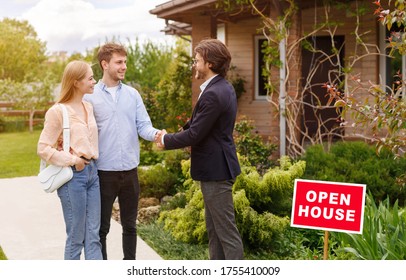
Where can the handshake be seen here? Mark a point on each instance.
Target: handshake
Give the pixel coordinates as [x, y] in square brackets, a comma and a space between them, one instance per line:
[159, 138]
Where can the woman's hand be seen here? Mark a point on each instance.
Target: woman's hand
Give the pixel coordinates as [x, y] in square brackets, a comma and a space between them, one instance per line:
[81, 163]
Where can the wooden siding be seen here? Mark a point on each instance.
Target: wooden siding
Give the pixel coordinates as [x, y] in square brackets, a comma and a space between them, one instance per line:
[240, 40]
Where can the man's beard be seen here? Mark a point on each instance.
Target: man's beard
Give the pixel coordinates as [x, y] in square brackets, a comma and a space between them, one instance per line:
[200, 76]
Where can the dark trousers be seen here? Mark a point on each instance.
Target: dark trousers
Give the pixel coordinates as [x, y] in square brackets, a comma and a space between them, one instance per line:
[125, 186]
[224, 239]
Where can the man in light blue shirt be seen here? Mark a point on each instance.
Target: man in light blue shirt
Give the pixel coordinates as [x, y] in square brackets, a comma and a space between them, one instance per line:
[121, 118]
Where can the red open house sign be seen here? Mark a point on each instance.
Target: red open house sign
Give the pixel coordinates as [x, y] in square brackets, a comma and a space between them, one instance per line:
[328, 206]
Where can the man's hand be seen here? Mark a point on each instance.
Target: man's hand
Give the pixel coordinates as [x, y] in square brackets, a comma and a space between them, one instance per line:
[159, 138]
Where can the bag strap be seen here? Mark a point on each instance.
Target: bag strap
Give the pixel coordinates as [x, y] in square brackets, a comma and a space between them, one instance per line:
[66, 134]
[66, 129]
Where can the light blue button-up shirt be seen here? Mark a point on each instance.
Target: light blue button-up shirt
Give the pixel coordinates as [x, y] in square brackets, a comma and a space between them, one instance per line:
[119, 123]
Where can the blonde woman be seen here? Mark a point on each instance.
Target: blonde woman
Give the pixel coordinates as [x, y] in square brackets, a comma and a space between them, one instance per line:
[80, 197]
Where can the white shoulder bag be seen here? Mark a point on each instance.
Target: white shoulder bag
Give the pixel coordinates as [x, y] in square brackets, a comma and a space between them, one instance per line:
[52, 177]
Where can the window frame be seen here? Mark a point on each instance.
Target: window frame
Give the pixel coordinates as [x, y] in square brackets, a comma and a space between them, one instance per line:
[385, 62]
[257, 71]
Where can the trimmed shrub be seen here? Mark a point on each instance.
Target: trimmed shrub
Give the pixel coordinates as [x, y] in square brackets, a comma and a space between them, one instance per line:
[156, 181]
[259, 229]
[273, 192]
[251, 146]
[357, 162]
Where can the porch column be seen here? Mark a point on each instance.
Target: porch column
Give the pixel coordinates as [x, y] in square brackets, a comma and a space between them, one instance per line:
[204, 27]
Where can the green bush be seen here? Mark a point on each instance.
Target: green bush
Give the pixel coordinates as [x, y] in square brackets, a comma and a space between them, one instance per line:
[173, 202]
[156, 181]
[251, 146]
[2, 125]
[173, 161]
[357, 162]
[150, 157]
[148, 154]
[259, 229]
[274, 190]
[16, 124]
[187, 224]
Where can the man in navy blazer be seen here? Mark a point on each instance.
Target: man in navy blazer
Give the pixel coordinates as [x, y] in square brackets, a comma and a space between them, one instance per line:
[209, 133]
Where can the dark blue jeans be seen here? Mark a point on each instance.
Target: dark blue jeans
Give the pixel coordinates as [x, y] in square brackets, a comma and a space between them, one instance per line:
[124, 186]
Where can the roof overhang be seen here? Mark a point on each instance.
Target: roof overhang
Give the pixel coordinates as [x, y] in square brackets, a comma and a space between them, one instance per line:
[179, 14]
[177, 28]
[182, 10]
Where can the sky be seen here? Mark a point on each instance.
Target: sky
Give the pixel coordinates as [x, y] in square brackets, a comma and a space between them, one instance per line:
[80, 25]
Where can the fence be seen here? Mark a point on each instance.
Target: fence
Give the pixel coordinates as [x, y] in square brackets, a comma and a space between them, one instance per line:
[10, 115]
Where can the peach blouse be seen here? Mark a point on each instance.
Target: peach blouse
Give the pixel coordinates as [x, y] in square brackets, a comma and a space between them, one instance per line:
[83, 137]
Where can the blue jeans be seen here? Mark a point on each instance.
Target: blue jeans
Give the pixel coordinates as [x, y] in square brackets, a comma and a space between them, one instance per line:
[80, 199]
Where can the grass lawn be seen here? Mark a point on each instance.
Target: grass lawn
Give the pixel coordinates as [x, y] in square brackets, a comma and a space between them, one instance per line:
[167, 247]
[170, 249]
[18, 154]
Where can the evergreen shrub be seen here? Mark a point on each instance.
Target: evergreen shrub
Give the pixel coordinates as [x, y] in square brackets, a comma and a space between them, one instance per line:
[257, 222]
[358, 162]
[156, 181]
[251, 145]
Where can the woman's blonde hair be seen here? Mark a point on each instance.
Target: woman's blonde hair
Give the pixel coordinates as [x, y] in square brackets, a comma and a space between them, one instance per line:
[74, 71]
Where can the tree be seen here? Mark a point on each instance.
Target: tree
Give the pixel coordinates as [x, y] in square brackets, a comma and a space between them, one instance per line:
[28, 96]
[173, 98]
[147, 63]
[22, 53]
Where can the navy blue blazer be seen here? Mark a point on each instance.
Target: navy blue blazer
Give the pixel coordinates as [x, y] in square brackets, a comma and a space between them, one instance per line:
[209, 133]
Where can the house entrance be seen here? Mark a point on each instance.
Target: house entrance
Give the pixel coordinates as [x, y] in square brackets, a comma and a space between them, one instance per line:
[320, 66]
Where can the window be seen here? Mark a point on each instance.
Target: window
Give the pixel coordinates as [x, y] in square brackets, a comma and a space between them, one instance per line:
[391, 67]
[221, 32]
[260, 91]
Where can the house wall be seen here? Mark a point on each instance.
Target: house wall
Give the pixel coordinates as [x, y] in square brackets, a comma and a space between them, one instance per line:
[240, 40]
